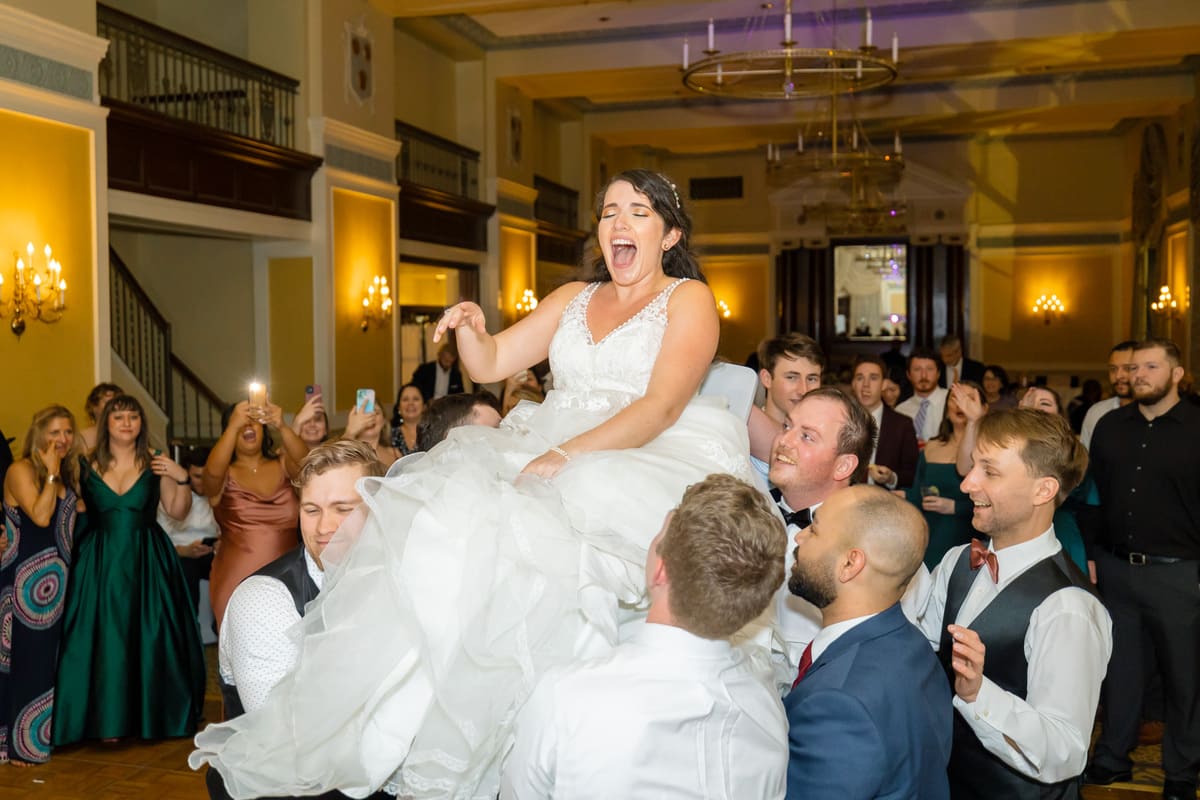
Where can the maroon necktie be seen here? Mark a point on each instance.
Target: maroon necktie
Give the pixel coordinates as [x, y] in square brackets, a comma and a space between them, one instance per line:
[805, 663]
[980, 555]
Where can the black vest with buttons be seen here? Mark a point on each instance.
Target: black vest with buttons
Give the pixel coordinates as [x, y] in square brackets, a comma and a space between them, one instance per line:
[1002, 625]
[291, 570]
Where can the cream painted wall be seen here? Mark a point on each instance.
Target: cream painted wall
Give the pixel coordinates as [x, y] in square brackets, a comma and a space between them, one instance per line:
[222, 24]
[277, 38]
[78, 14]
[468, 100]
[512, 105]
[378, 115]
[750, 214]
[204, 287]
[425, 83]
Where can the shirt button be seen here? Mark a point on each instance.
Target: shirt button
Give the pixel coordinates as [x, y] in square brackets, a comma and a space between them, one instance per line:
[1133, 491]
[1139, 469]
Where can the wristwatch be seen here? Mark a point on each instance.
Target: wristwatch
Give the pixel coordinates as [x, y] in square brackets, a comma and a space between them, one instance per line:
[51, 479]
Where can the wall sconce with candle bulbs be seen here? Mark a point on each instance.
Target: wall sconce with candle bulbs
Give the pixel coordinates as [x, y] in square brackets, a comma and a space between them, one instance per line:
[377, 303]
[723, 309]
[1049, 306]
[34, 293]
[1166, 304]
[527, 303]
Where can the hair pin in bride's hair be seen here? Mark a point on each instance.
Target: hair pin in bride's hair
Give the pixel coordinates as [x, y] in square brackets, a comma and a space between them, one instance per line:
[667, 181]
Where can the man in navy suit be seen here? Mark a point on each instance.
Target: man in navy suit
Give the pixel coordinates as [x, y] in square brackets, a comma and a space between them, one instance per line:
[870, 713]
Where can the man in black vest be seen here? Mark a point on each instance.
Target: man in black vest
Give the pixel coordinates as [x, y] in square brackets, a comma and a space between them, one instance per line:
[1023, 639]
[255, 650]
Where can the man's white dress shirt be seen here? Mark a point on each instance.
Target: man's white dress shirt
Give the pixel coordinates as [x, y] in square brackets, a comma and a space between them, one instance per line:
[198, 524]
[831, 633]
[933, 415]
[1093, 415]
[1067, 645]
[441, 381]
[666, 714]
[254, 651]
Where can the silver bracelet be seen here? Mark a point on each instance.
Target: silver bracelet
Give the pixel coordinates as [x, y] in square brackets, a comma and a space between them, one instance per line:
[561, 452]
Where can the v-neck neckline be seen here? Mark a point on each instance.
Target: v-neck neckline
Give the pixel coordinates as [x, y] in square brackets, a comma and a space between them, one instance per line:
[587, 304]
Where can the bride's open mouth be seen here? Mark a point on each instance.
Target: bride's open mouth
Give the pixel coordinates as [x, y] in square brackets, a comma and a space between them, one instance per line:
[623, 252]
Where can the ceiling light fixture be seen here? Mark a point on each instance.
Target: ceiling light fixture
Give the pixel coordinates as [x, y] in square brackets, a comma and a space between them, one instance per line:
[789, 72]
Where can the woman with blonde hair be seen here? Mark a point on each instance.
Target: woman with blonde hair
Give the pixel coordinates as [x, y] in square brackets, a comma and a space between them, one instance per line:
[41, 493]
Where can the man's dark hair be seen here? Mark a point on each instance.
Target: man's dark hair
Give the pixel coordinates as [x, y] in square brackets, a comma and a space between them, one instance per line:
[1174, 357]
[869, 359]
[925, 353]
[195, 457]
[1125, 346]
[449, 412]
[791, 345]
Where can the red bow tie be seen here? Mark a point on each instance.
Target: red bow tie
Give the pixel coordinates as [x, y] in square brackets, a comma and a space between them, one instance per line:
[980, 555]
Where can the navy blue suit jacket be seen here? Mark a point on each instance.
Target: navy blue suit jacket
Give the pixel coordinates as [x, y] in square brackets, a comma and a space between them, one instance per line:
[872, 718]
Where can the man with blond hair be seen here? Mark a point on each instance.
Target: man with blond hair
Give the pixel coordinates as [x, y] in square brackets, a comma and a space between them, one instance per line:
[255, 651]
[869, 715]
[1019, 630]
[676, 705]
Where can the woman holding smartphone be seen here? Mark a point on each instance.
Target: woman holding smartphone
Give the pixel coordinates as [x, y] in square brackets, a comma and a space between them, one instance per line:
[249, 485]
[131, 662]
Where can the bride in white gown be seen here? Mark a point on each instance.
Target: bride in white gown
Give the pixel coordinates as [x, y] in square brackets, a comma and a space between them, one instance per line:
[504, 552]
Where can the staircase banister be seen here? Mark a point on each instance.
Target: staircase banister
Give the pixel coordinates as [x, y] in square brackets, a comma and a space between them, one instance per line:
[199, 385]
[143, 298]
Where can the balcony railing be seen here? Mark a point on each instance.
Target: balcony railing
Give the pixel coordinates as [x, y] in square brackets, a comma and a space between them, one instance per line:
[160, 70]
[431, 161]
[556, 204]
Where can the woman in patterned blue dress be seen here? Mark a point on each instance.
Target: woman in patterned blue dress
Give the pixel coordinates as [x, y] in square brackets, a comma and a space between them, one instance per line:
[40, 504]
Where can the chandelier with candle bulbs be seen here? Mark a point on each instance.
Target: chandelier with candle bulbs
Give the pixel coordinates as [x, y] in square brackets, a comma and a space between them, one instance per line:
[788, 72]
[33, 293]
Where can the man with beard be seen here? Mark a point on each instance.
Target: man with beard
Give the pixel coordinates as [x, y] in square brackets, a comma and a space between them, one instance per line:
[869, 715]
[1027, 702]
[928, 402]
[1120, 368]
[1146, 462]
[825, 446]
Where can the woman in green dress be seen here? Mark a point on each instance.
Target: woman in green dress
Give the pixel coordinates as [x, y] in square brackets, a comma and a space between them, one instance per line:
[131, 662]
[935, 488]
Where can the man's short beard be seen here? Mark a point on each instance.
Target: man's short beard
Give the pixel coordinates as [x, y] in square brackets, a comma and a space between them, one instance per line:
[1127, 387]
[816, 589]
[1156, 394]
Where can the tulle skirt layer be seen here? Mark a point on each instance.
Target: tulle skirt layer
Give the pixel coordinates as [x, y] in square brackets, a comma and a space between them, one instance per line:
[464, 584]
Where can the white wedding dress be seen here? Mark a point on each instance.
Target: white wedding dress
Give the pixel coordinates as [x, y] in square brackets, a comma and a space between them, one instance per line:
[467, 582]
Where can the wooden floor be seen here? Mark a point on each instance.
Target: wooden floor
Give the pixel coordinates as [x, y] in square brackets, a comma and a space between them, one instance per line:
[159, 771]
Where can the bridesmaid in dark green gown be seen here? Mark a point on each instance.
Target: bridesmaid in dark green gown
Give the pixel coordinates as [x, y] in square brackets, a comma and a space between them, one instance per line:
[131, 662]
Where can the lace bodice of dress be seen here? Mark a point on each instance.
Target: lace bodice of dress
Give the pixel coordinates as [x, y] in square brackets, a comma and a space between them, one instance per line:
[620, 362]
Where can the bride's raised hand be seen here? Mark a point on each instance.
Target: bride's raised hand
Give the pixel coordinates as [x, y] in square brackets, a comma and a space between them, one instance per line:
[465, 315]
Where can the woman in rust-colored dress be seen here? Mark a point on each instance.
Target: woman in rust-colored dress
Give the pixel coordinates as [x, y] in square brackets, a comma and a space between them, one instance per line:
[249, 486]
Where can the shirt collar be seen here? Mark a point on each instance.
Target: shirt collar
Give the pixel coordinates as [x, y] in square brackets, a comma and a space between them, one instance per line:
[831, 633]
[677, 641]
[314, 572]
[878, 415]
[1014, 560]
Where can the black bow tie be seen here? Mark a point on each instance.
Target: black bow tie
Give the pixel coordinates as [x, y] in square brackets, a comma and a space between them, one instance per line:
[801, 518]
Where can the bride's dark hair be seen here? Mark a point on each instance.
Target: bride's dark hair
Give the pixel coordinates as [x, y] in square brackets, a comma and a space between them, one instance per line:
[679, 261]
